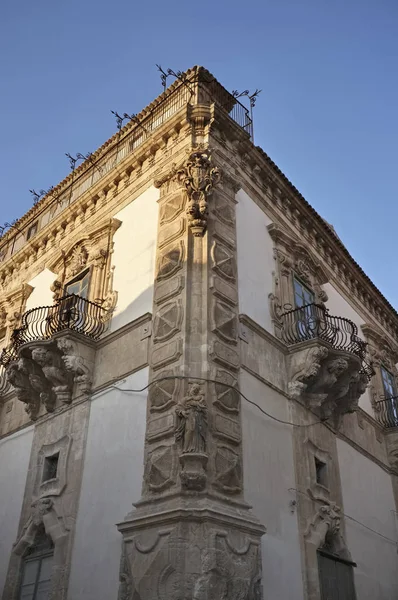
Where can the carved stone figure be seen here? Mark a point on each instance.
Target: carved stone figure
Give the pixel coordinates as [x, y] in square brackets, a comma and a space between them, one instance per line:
[30, 385]
[39, 508]
[78, 260]
[304, 366]
[192, 421]
[74, 363]
[53, 370]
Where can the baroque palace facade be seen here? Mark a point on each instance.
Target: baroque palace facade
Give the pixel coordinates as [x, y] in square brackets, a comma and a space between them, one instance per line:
[198, 382]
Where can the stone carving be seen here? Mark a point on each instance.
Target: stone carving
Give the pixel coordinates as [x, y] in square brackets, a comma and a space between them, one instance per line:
[170, 260]
[228, 470]
[212, 584]
[125, 584]
[170, 232]
[223, 261]
[170, 209]
[168, 321]
[223, 210]
[30, 385]
[166, 354]
[39, 508]
[159, 472]
[162, 392]
[74, 363]
[227, 398]
[57, 289]
[225, 322]
[56, 485]
[225, 355]
[304, 366]
[192, 421]
[324, 530]
[54, 372]
[198, 177]
[77, 260]
[191, 431]
[169, 288]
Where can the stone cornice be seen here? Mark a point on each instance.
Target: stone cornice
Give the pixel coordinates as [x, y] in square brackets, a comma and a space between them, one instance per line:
[270, 188]
[106, 189]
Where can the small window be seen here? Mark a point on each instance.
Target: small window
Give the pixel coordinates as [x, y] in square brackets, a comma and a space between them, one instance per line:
[79, 285]
[32, 230]
[389, 386]
[50, 467]
[321, 472]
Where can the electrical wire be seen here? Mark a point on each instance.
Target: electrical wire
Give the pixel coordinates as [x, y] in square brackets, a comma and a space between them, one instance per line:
[227, 385]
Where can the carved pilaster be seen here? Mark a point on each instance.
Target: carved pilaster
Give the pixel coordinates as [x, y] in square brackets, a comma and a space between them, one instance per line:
[193, 458]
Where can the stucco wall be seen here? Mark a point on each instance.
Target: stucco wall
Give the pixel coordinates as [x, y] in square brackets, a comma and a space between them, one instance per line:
[339, 307]
[134, 258]
[268, 475]
[255, 260]
[42, 294]
[112, 479]
[14, 462]
[368, 498]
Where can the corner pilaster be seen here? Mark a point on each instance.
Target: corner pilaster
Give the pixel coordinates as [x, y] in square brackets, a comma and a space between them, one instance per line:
[192, 533]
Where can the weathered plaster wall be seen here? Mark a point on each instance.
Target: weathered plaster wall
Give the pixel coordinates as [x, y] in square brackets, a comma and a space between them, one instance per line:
[368, 498]
[14, 461]
[255, 260]
[268, 475]
[42, 294]
[339, 307]
[112, 480]
[134, 258]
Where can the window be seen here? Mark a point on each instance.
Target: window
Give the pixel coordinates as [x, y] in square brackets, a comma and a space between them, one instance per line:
[390, 395]
[50, 467]
[388, 383]
[36, 569]
[321, 472]
[306, 321]
[302, 294]
[32, 231]
[79, 285]
[336, 577]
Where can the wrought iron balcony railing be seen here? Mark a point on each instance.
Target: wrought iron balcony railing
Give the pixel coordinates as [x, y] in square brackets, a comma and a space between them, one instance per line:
[387, 411]
[71, 312]
[313, 321]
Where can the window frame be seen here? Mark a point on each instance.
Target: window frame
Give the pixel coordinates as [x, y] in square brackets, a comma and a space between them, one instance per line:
[32, 230]
[392, 381]
[80, 277]
[37, 556]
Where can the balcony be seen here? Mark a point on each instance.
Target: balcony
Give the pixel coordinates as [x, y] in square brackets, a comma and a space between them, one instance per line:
[70, 313]
[51, 355]
[327, 360]
[387, 412]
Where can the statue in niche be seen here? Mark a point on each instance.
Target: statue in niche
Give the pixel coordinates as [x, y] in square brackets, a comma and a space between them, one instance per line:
[192, 421]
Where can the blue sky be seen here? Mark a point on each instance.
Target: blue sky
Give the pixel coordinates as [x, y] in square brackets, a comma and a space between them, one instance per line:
[327, 114]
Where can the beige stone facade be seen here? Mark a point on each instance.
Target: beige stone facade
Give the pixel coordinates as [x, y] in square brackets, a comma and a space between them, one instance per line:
[186, 334]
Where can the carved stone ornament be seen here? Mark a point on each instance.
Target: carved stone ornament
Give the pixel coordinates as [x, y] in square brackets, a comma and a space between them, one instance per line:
[198, 177]
[392, 449]
[43, 513]
[191, 432]
[54, 371]
[77, 260]
[30, 385]
[330, 382]
[160, 467]
[75, 364]
[228, 470]
[324, 531]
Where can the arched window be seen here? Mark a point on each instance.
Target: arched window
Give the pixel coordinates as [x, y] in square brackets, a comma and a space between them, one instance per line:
[37, 568]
